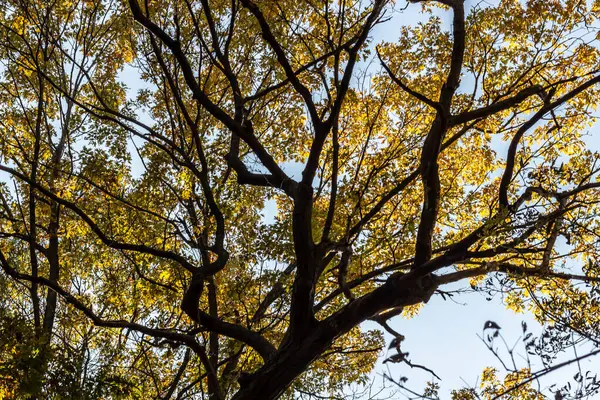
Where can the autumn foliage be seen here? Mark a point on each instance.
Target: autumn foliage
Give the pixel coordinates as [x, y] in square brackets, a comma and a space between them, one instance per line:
[208, 197]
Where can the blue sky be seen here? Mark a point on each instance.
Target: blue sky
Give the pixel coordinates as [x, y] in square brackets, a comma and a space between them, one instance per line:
[444, 338]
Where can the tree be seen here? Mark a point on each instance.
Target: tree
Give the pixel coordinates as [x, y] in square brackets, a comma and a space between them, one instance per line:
[137, 260]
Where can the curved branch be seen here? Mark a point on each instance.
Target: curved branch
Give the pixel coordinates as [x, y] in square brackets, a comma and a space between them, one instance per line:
[514, 144]
[495, 107]
[114, 244]
[283, 61]
[508, 268]
[433, 104]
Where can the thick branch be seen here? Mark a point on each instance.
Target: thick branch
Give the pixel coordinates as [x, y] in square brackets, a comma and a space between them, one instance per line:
[432, 144]
[494, 108]
[515, 270]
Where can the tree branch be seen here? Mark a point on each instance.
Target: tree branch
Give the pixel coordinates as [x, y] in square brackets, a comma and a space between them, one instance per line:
[433, 104]
[512, 148]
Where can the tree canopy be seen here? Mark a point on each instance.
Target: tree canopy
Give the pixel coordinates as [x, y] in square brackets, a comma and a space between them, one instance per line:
[207, 198]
